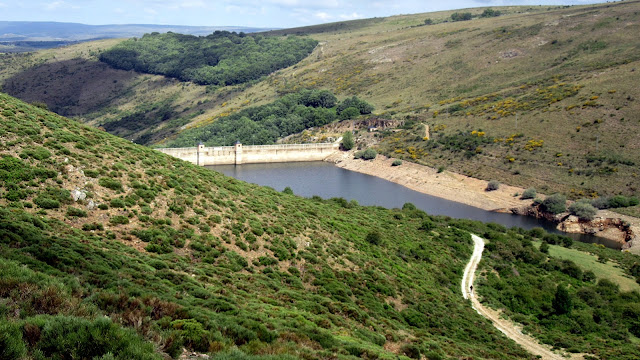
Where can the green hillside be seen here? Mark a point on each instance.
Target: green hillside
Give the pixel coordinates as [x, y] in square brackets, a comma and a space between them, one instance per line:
[222, 58]
[111, 250]
[552, 90]
[182, 256]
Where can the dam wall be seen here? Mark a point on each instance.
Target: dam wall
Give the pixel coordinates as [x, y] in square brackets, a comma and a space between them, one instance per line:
[252, 154]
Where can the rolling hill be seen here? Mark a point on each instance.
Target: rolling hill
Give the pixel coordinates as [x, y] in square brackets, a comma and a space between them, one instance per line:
[112, 250]
[24, 36]
[550, 90]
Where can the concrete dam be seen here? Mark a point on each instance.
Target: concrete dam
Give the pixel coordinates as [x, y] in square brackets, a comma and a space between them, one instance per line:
[252, 154]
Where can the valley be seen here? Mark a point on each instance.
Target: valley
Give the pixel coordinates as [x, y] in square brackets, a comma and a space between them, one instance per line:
[110, 249]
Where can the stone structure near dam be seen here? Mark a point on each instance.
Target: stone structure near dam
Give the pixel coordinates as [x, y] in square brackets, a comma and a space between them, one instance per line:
[252, 154]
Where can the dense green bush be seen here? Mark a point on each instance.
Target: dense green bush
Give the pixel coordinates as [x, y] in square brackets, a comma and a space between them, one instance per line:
[396, 162]
[46, 202]
[62, 337]
[583, 210]
[118, 220]
[349, 113]
[456, 16]
[368, 154]
[490, 13]
[555, 204]
[38, 153]
[72, 211]
[530, 193]
[374, 238]
[618, 201]
[222, 58]
[347, 141]
[110, 183]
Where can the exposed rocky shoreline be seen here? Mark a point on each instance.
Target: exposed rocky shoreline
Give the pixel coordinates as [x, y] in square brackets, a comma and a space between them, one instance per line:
[470, 191]
[615, 229]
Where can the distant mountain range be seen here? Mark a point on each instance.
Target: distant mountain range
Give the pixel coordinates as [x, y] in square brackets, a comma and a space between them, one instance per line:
[20, 36]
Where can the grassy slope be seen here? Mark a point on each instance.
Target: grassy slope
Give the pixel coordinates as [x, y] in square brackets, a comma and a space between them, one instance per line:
[603, 270]
[72, 82]
[234, 264]
[527, 57]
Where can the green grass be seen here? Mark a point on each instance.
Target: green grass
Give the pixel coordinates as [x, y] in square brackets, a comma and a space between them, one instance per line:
[608, 270]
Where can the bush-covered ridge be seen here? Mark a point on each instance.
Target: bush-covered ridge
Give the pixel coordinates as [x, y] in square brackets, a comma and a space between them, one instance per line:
[222, 58]
[265, 124]
[558, 301]
[186, 257]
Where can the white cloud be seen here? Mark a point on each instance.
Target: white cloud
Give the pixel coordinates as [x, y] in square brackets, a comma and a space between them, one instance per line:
[55, 5]
[351, 16]
[323, 16]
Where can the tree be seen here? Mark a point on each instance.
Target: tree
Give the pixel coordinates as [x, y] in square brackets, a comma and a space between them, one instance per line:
[562, 303]
[347, 141]
[544, 247]
[349, 113]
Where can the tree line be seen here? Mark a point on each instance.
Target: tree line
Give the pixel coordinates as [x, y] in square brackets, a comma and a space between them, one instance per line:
[265, 124]
[222, 58]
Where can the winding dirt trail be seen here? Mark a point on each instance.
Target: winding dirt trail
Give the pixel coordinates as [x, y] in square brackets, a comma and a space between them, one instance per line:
[505, 326]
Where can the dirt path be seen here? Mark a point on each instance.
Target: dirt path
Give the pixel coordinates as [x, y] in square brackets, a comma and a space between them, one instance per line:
[508, 328]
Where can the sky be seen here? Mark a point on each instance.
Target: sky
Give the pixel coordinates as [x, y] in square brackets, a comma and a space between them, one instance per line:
[251, 13]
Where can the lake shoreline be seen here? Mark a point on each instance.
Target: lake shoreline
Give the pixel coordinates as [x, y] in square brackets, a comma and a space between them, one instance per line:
[463, 189]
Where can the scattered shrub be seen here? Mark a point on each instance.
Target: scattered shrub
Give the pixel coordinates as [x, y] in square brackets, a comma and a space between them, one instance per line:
[583, 210]
[493, 185]
[368, 154]
[461, 16]
[396, 162]
[110, 183]
[71, 211]
[46, 203]
[38, 153]
[555, 204]
[119, 220]
[530, 193]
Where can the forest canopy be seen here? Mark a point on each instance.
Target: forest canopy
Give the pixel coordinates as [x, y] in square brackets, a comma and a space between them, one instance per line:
[222, 58]
[265, 124]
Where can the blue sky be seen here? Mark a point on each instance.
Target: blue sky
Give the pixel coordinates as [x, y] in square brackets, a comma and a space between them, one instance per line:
[255, 13]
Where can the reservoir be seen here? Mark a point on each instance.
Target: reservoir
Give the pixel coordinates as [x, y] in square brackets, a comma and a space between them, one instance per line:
[327, 181]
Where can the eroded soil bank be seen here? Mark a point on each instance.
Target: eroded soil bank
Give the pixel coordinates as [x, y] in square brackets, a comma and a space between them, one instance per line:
[471, 191]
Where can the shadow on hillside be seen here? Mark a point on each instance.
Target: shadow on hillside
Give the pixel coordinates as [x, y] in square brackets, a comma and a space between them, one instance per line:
[71, 87]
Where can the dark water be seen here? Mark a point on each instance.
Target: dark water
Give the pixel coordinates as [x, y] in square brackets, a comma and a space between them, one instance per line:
[327, 181]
